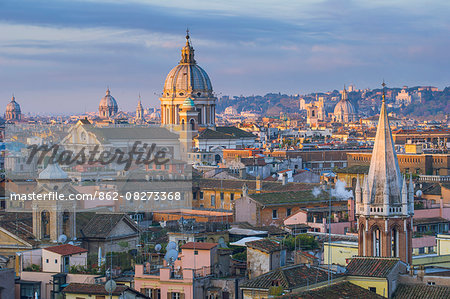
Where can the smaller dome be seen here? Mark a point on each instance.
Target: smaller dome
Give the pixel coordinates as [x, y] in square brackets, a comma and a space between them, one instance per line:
[53, 172]
[344, 106]
[13, 106]
[109, 102]
[188, 103]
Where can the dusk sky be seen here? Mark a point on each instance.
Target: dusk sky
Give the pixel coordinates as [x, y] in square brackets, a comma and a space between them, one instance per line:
[60, 56]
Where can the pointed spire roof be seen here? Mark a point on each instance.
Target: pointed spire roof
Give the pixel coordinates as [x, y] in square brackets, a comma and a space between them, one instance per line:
[384, 164]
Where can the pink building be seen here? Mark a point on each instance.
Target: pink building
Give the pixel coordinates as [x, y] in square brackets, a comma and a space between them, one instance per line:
[317, 219]
[188, 278]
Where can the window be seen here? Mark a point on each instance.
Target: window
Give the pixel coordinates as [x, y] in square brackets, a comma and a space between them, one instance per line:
[372, 289]
[46, 261]
[431, 283]
[152, 293]
[430, 249]
[376, 242]
[288, 212]
[195, 252]
[194, 195]
[213, 200]
[56, 261]
[222, 196]
[421, 250]
[201, 195]
[394, 242]
[176, 296]
[232, 196]
[275, 214]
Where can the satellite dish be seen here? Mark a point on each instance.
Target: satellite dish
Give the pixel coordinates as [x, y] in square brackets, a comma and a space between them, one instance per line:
[171, 245]
[62, 238]
[171, 256]
[71, 243]
[110, 286]
[419, 193]
[158, 247]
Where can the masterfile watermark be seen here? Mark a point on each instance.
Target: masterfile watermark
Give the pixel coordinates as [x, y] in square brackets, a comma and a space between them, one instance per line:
[140, 153]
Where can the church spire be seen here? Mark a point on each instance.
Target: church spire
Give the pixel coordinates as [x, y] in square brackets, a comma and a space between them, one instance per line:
[384, 164]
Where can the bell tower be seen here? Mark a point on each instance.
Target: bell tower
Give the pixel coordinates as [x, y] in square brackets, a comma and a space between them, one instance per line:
[51, 216]
[384, 202]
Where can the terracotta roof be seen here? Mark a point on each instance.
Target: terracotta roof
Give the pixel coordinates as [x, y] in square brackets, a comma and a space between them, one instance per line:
[418, 291]
[371, 266]
[101, 225]
[289, 197]
[290, 277]
[19, 224]
[265, 245]
[92, 289]
[66, 249]
[359, 169]
[199, 245]
[218, 184]
[342, 289]
[304, 253]
[236, 132]
[253, 161]
[430, 220]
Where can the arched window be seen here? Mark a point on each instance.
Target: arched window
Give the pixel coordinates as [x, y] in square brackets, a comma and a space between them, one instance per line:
[45, 224]
[376, 242]
[394, 242]
[66, 223]
[182, 124]
[192, 121]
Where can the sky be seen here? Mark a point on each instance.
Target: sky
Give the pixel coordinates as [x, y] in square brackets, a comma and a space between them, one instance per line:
[60, 56]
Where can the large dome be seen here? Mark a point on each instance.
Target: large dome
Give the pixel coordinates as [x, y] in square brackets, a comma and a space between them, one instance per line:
[13, 106]
[186, 78]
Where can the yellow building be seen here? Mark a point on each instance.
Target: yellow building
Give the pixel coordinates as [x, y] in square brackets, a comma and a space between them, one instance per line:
[341, 252]
[443, 244]
[377, 274]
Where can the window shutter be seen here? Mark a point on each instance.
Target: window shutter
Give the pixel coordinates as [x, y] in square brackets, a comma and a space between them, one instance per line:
[181, 295]
[169, 295]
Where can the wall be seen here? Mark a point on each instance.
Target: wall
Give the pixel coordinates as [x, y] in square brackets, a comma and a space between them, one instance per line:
[367, 282]
[164, 282]
[443, 244]
[192, 261]
[7, 277]
[340, 252]
[258, 262]
[51, 265]
[245, 211]
[46, 277]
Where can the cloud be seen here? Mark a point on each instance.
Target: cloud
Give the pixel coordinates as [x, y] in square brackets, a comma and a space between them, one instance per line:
[247, 47]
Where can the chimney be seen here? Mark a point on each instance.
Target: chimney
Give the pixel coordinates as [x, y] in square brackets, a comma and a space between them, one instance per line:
[283, 179]
[258, 184]
[242, 174]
